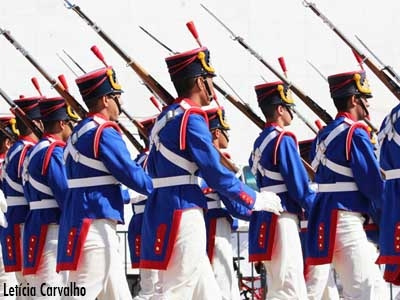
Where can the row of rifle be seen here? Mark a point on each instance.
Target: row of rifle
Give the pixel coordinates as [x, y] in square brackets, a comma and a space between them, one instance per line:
[386, 74]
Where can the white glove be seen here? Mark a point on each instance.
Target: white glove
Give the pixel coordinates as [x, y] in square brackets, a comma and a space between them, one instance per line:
[3, 209]
[268, 201]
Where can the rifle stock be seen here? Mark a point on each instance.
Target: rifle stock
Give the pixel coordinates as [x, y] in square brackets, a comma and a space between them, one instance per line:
[139, 70]
[382, 76]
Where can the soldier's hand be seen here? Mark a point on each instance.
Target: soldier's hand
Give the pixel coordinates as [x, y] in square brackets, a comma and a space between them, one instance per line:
[268, 201]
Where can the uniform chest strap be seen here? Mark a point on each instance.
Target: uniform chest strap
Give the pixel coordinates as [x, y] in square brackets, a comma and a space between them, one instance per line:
[388, 130]
[257, 153]
[25, 173]
[320, 157]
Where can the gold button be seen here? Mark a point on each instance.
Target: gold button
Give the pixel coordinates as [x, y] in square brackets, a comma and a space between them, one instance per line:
[157, 248]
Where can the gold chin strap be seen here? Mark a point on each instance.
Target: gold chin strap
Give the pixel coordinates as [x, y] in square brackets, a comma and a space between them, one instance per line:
[285, 97]
[363, 88]
[202, 57]
[114, 83]
[223, 123]
[72, 114]
[14, 129]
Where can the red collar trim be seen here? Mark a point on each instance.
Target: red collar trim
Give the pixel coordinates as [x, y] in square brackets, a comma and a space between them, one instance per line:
[51, 136]
[27, 138]
[271, 124]
[99, 115]
[187, 100]
[346, 115]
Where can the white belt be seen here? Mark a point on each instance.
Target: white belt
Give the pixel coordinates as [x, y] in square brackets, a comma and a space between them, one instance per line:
[392, 174]
[16, 200]
[42, 204]
[91, 181]
[303, 224]
[176, 180]
[279, 188]
[337, 187]
[212, 197]
[214, 204]
[139, 209]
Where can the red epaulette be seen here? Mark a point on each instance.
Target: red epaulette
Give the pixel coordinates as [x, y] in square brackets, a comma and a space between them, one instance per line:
[99, 131]
[278, 141]
[48, 154]
[350, 133]
[24, 151]
[185, 119]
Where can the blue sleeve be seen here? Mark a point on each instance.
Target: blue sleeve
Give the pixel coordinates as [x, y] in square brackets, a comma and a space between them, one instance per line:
[294, 173]
[57, 176]
[117, 159]
[207, 158]
[365, 168]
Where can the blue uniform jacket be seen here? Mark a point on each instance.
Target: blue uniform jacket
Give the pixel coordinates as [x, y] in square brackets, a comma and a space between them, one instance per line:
[281, 155]
[18, 208]
[358, 155]
[165, 205]
[389, 240]
[101, 200]
[46, 167]
[135, 224]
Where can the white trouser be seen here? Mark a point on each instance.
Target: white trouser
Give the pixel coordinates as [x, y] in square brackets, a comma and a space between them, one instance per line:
[189, 274]
[354, 260]
[223, 261]
[46, 272]
[148, 281]
[285, 278]
[101, 268]
[7, 279]
[321, 283]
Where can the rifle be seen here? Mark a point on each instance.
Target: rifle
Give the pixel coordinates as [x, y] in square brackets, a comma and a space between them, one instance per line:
[242, 106]
[318, 110]
[61, 88]
[142, 73]
[17, 111]
[380, 73]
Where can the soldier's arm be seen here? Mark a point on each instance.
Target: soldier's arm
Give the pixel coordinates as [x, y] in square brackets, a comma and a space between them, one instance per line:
[208, 159]
[117, 159]
[294, 173]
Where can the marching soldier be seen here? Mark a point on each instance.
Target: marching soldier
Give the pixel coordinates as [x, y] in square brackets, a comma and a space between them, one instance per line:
[349, 185]
[173, 234]
[219, 221]
[11, 237]
[45, 186]
[96, 162]
[276, 163]
[6, 278]
[148, 277]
